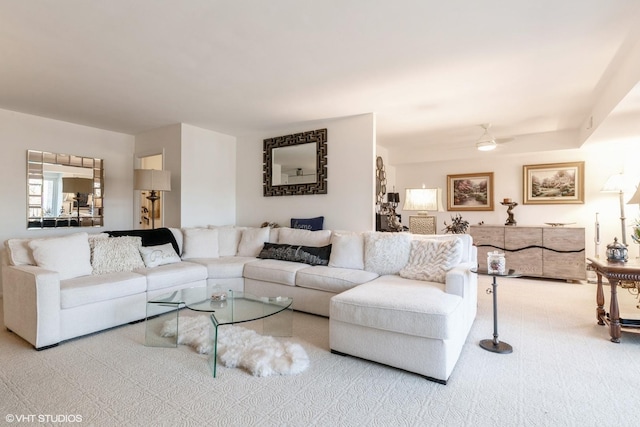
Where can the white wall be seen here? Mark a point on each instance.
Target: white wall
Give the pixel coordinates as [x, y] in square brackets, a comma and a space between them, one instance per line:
[208, 177]
[350, 201]
[21, 132]
[601, 161]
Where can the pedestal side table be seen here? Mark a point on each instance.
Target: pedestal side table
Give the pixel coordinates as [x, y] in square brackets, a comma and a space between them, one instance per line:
[495, 345]
[616, 273]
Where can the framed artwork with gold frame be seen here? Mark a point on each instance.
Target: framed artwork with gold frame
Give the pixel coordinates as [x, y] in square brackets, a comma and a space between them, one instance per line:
[470, 192]
[553, 183]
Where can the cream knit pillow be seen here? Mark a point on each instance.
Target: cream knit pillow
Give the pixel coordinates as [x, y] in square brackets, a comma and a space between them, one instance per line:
[430, 259]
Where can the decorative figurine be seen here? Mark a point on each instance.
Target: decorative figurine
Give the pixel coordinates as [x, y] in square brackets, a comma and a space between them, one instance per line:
[508, 202]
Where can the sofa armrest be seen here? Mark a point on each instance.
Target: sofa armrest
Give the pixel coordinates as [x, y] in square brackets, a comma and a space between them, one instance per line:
[461, 281]
[31, 298]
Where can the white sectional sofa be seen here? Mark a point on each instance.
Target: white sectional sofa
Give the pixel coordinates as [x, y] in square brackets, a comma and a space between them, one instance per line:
[378, 288]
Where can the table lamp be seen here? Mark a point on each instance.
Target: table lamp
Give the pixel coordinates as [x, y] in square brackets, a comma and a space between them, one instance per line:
[423, 200]
[77, 186]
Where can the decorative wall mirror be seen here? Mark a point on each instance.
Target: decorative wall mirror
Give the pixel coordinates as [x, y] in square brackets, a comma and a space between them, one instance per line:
[295, 164]
[64, 190]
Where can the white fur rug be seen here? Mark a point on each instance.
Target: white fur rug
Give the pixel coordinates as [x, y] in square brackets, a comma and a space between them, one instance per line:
[240, 347]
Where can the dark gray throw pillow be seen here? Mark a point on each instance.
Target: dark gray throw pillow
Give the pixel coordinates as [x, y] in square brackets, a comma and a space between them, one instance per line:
[306, 254]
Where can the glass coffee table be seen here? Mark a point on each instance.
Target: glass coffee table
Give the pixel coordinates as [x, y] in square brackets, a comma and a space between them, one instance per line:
[226, 308]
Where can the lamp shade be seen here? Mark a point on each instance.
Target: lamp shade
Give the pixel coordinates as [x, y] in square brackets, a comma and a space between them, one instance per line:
[615, 184]
[151, 179]
[423, 199]
[77, 185]
[635, 199]
[393, 197]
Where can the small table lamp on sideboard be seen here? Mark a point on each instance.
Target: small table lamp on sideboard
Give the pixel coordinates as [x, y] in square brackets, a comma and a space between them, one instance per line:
[423, 200]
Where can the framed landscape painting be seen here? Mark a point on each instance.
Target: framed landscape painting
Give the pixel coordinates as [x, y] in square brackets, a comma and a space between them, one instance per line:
[553, 183]
[470, 192]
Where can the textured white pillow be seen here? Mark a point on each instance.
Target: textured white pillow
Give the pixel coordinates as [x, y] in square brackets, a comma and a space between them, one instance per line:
[70, 255]
[228, 239]
[347, 250]
[19, 252]
[386, 253]
[116, 254]
[296, 236]
[431, 259]
[253, 240]
[200, 243]
[154, 256]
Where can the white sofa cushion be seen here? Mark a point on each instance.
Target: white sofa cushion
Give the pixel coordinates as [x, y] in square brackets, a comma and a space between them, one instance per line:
[386, 253]
[176, 274]
[332, 279]
[406, 306]
[228, 239]
[430, 259]
[200, 243]
[100, 287]
[154, 256]
[295, 236]
[347, 250]
[275, 271]
[69, 255]
[19, 252]
[224, 267]
[115, 254]
[253, 240]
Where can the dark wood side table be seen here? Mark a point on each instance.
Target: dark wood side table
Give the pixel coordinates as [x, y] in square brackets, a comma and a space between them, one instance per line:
[615, 272]
[495, 345]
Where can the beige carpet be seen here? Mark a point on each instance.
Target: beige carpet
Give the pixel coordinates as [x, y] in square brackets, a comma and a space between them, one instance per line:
[563, 371]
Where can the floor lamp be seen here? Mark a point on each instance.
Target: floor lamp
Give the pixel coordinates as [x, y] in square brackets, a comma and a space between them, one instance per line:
[616, 184]
[635, 200]
[77, 186]
[153, 181]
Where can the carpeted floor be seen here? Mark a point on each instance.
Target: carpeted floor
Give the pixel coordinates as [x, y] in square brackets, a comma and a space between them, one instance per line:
[563, 371]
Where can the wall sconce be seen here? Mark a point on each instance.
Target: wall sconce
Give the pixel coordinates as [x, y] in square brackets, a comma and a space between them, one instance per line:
[152, 180]
[423, 200]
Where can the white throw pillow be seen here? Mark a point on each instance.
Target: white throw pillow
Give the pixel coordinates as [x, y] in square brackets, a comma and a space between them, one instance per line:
[431, 259]
[154, 256]
[386, 253]
[253, 240]
[228, 239]
[200, 243]
[296, 236]
[19, 252]
[347, 250]
[70, 255]
[116, 254]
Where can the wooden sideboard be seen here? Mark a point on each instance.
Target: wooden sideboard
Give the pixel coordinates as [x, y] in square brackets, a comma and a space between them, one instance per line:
[552, 252]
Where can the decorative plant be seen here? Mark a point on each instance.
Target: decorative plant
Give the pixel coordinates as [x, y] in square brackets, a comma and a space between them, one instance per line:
[457, 226]
[636, 232]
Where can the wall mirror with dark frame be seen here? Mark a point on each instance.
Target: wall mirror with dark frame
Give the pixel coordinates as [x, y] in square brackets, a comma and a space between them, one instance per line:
[64, 190]
[295, 164]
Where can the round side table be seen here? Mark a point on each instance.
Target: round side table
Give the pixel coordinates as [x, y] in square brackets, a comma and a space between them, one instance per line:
[495, 345]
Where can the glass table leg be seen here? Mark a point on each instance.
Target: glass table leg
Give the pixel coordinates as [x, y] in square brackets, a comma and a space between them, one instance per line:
[157, 315]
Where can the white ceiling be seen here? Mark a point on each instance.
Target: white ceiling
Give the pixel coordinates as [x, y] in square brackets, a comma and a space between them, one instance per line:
[432, 71]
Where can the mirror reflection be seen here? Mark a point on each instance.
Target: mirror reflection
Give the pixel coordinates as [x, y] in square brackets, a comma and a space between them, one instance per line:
[63, 190]
[294, 165]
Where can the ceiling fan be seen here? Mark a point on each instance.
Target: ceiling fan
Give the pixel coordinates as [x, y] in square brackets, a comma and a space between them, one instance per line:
[487, 142]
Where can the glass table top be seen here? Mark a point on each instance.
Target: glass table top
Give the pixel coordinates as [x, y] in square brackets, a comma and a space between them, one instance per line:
[237, 307]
